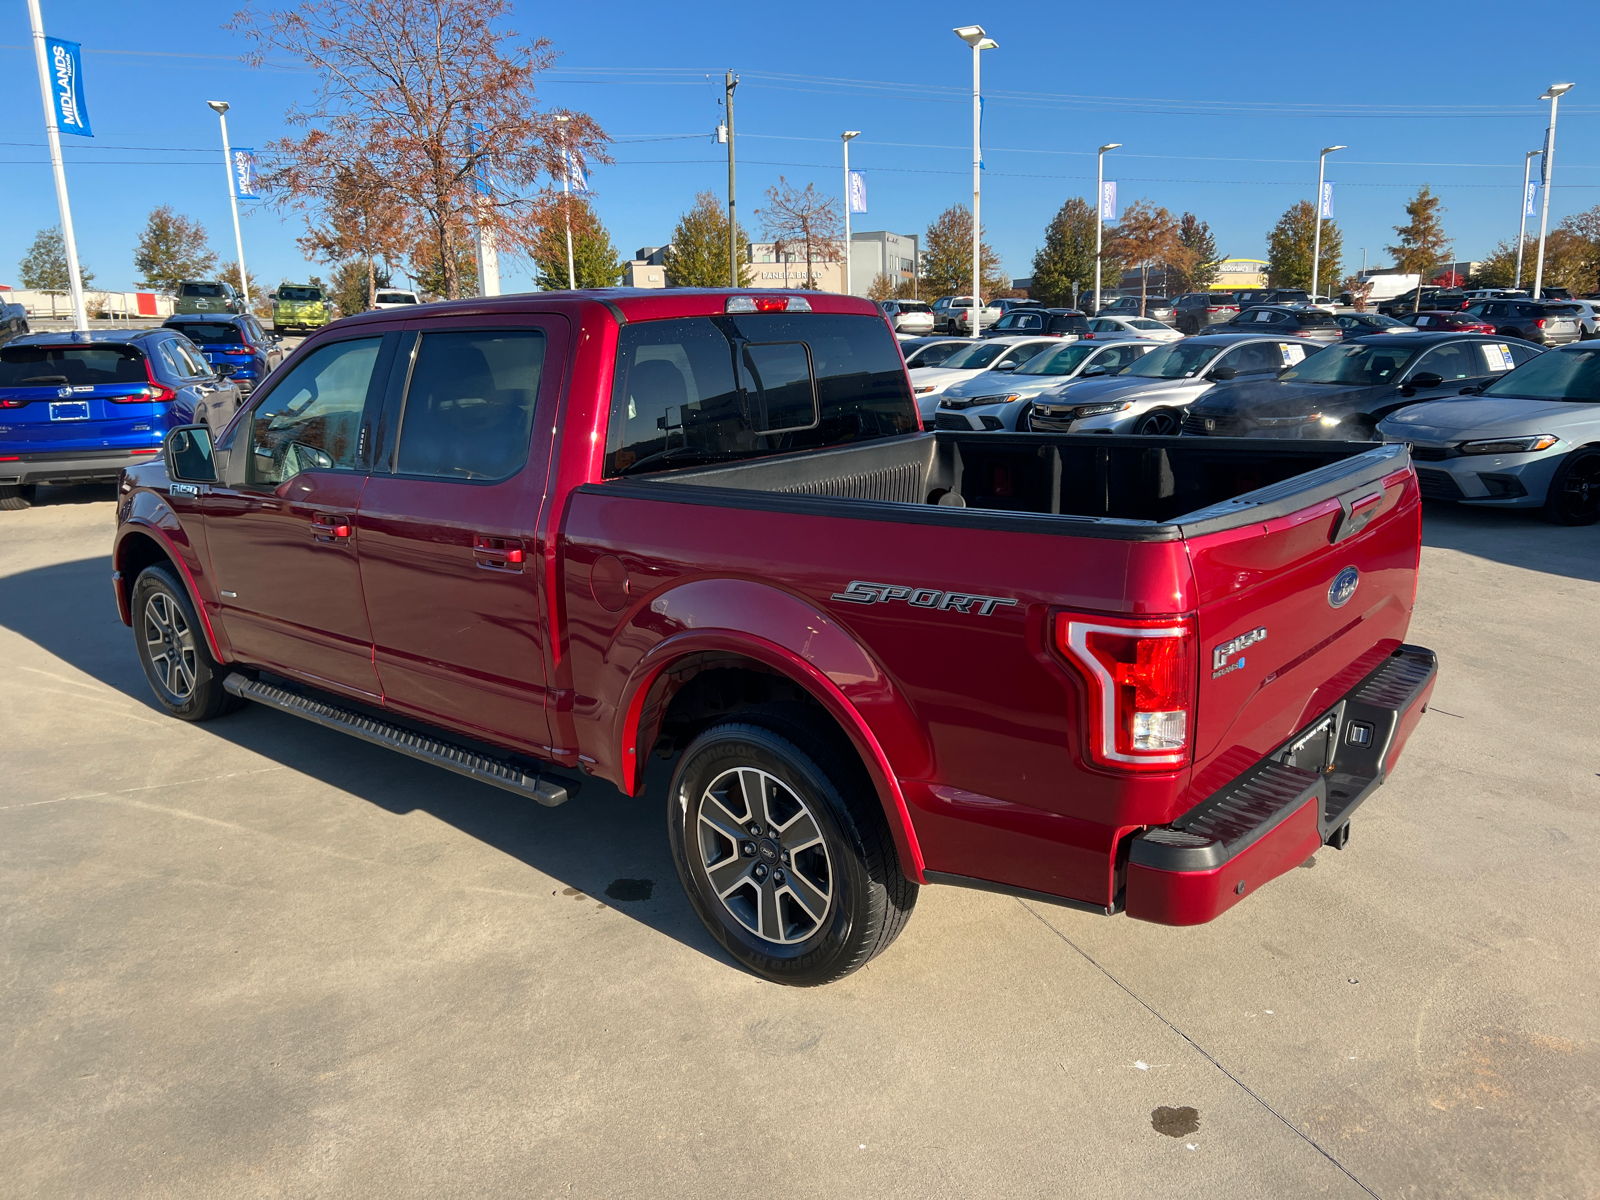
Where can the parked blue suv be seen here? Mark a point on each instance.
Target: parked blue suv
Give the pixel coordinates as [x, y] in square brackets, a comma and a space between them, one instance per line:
[235, 340]
[78, 407]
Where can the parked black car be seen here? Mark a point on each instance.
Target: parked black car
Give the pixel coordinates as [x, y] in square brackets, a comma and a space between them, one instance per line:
[13, 322]
[1054, 322]
[1197, 310]
[1547, 324]
[1157, 308]
[1435, 299]
[1255, 296]
[1360, 324]
[1343, 392]
[1294, 320]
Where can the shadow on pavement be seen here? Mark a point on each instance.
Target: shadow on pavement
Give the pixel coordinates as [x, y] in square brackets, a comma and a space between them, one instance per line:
[1518, 538]
[599, 839]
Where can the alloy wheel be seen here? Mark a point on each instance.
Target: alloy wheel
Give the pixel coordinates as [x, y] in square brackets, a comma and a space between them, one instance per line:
[763, 851]
[1578, 497]
[170, 643]
[1158, 424]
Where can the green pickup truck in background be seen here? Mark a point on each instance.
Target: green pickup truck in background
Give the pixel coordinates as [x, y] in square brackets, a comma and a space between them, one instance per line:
[299, 306]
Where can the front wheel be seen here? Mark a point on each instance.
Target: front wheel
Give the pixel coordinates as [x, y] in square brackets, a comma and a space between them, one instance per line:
[783, 849]
[172, 649]
[1574, 496]
[1159, 422]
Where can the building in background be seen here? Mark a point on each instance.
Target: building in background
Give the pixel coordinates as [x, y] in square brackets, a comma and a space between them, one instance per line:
[769, 269]
[648, 268]
[879, 252]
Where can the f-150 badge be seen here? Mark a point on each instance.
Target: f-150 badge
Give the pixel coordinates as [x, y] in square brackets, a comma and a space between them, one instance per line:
[862, 592]
[1221, 654]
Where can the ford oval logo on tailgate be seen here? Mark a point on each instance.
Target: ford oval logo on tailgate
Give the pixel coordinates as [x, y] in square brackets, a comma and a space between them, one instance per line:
[1343, 587]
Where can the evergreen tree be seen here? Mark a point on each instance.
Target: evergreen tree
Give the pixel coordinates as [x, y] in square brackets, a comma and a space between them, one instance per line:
[698, 255]
[1198, 270]
[172, 248]
[1422, 245]
[349, 287]
[947, 258]
[594, 259]
[45, 265]
[428, 268]
[1289, 249]
[1064, 266]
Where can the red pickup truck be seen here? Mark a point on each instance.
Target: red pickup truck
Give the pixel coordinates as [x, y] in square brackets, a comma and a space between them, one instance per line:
[535, 537]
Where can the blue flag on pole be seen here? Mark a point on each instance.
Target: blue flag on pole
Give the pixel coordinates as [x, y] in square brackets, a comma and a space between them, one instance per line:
[1327, 201]
[858, 193]
[243, 171]
[981, 167]
[480, 169]
[68, 107]
[1531, 200]
[1108, 200]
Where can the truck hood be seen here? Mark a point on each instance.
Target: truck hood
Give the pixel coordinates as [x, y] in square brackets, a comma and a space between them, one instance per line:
[1471, 417]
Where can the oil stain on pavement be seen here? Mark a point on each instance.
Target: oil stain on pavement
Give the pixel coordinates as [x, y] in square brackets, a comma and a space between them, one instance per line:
[1175, 1122]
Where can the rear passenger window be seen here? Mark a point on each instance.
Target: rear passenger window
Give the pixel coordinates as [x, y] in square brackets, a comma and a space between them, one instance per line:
[1455, 361]
[313, 418]
[469, 408]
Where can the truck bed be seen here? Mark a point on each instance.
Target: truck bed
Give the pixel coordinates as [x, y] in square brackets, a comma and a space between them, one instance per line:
[1139, 488]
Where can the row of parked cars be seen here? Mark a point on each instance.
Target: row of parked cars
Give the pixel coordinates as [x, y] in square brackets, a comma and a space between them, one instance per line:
[297, 308]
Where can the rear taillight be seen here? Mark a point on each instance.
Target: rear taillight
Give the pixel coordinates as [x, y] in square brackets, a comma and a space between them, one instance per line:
[1539, 322]
[151, 393]
[9, 403]
[1141, 677]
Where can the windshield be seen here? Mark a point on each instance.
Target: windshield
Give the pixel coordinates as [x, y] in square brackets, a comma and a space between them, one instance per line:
[396, 298]
[299, 293]
[1063, 360]
[1143, 323]
[202, 289]
[1572, 375]
[79, 366]
[1366, 365]
[976, 357]
[1178, 361]
[906, 306]
[209, 333]
[1377, 320]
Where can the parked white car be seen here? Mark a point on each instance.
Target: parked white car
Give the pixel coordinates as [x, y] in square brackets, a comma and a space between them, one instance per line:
[1131, 329]
[1000, 400]
[1588, 326]
[910, 317]
[394, 298]
[1000, 353]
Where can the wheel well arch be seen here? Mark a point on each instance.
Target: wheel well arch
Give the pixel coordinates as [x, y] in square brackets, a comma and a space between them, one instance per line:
[139, 548]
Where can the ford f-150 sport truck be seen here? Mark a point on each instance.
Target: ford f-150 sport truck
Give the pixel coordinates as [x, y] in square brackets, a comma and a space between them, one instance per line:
[536, 537]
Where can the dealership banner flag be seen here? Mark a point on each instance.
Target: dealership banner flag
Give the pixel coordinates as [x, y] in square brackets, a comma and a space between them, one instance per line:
[858, 193]
[244, 173]
[68, 106]
[1327, 201]
[1108, 200]
[1531, 200]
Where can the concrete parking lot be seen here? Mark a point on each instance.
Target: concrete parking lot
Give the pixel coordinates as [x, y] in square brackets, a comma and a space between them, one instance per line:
[257, 958]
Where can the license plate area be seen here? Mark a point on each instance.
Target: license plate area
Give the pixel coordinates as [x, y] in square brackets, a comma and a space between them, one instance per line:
[1315, 748]
[70, 410]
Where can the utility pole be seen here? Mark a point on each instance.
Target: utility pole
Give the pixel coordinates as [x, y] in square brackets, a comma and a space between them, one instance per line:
[1099, 217]
[1316, 216]
[53, 134]
[729, 83]
[220, 107]
[1553, 94]
[974, 36]
[846, 136]
[1522, 227]
[566, 199]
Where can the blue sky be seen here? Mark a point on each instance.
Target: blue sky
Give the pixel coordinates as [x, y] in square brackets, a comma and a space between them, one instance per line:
[1221, 109]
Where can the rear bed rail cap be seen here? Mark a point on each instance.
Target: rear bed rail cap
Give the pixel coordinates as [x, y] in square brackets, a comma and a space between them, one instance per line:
[1300, 492]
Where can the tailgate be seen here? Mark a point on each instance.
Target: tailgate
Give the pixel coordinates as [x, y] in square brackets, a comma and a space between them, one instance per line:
[1293, 611]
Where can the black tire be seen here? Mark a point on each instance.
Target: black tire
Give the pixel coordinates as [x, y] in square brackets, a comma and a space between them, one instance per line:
[17, 496]
[1574, 495]
[1159, 422]
[817, 795]
[172, 649]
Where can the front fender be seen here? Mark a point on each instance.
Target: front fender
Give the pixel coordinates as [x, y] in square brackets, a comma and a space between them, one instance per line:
[149, 516]
[790, 636]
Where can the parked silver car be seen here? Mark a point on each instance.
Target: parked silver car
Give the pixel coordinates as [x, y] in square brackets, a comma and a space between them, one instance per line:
[1131, 329]
[929, 383]
[1530, 439]
[995, 400]
[1150, 396]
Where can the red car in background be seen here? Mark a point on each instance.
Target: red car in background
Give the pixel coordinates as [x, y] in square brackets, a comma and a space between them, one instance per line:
[1456, 322]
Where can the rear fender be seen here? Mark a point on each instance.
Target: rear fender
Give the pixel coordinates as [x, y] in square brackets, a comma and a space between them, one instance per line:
[150, 518]
[791, 637]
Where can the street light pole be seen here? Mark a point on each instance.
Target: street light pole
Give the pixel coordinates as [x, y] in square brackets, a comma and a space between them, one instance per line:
[846, 136]
[974, 36]
[220, 107]
[1316, 216]
[69, 243]
[1547, 168]
[1099, 222]
[566, 200]
[730, 82]
[1522, 205]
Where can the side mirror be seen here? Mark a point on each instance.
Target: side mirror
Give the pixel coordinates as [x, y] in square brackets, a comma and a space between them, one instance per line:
[1004, 366]
[1222, 374]
[1426, 379]
[189, 455]
[1093, 371]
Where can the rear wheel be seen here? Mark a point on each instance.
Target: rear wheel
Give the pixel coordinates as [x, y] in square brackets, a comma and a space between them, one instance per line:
[172, 649]
[1574, 496]
[15, 496]
[1159, 422]
[783, 849]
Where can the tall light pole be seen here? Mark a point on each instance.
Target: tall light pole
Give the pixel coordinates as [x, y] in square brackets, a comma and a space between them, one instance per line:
[845, 137]
[53, 134]
[1099, 223]
[1316, 215]
[220, 107]
[974, 36]
[566, 201]
[1553, 94]
[1522, 226]
[730, 82]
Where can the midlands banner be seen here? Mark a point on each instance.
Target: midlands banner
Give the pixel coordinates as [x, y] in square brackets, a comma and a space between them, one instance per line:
[243, 171]
[68, 106]
[1108, 200]
[858, 193]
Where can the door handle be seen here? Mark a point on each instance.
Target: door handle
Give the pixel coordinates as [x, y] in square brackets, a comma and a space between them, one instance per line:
[494, 553]
[326, 527]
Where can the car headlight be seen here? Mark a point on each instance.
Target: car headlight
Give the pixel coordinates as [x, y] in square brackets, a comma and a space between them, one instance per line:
[1307, 419]
[923, 391]
[1100, 410]
[1516, 445]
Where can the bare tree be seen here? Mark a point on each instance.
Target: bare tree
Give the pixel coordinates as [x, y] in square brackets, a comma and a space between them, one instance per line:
[1360, 291]
[1146, 235]
[436, 95]
[350, 214]
[804, 217]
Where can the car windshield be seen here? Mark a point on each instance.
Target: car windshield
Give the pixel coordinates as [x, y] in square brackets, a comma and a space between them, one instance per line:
[1059, 360]
[202, 289]
[396, 298]
[80, 366]
[299, 293]
[1288, 297]
[975, 357]
[1144, 323]
[1370, 365]
[1570, 375]
[1314, 316]
[1377, 320]
[209, 333]
[906, 306]
[1177, 361]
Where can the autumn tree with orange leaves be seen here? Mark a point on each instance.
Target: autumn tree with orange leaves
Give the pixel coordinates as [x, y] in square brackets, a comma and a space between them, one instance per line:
[420, 99]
